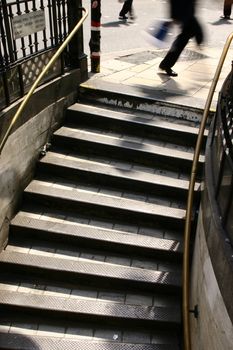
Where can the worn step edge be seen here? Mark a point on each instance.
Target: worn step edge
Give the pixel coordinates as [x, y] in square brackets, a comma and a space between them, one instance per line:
[108, 204]
[94, 236]
[90, 271]
[121, 144]
[84, 142]
[89, 169]
[114, 94]
[87, 310]
[13, 341]
[136, 118]
[85, 113]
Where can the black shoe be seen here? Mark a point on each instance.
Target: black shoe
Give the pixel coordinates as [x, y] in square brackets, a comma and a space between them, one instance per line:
[169, 71]
[123, 17]
[226, 17]
[132, 15]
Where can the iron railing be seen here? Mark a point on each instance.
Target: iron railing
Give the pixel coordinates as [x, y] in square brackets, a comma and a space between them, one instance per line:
[44, 71]
[30, 33]
[20, 19]
[222, 156]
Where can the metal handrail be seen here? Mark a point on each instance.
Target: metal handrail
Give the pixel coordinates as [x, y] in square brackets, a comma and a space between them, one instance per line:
[41, 75]
[185, 304]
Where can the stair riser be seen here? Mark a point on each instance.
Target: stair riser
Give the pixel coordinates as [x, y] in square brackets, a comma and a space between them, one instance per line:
[146, 104]
[26, 342]
[157, 161]
[76, 118]
[105, 212]
[24, 234]
[85, 177]
[88, 279]
[51, 315]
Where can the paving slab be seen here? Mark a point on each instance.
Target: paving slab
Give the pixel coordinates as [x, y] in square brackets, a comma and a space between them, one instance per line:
[136, 72]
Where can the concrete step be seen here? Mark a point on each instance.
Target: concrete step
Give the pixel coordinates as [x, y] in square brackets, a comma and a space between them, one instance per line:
[93, 172]
[117, 96]
[102, 312]
[133, 122]
[86, 142]
[94, 142]
[25, 227]
[101, 205]
[33, 342]
[89, 273]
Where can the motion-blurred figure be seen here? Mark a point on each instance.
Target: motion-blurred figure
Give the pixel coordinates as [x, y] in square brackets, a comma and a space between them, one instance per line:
[127, 8]
[227, 8]
[183, 12]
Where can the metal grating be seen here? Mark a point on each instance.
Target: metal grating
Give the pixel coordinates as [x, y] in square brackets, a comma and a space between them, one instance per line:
[33, 67]
[141, 57]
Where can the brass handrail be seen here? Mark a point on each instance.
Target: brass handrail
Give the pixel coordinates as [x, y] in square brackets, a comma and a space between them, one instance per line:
[185, 305]
[41, 75]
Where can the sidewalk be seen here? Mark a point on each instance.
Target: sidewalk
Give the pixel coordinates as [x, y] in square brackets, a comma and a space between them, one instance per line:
[137, 72]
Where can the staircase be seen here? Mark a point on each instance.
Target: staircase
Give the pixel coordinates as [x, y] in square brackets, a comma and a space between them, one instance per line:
[94, 259]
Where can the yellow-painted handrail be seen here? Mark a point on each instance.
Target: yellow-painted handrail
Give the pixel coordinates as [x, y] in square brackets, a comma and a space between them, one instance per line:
[41, 75]
[186, 277]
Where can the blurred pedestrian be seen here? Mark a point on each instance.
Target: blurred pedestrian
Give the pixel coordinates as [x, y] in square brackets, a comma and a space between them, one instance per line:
[183, 12]
[227, 8]
[127, 8]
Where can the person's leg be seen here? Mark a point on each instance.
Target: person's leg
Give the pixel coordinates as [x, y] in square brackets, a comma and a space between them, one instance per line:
[227, 8]
[188, 31]
[173, 54]
[131, 11]
[126, 8]
[198, 32]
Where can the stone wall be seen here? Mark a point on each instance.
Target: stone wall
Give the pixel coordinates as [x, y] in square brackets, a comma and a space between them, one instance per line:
[213, 329]
[41, 117]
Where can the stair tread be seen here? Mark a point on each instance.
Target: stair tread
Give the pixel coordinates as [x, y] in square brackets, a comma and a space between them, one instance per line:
[13, 341]
[110, 170]
[87, 308]
[124, 204]
[99, 234]
[107, 140]
[137, 118]
[98, 269]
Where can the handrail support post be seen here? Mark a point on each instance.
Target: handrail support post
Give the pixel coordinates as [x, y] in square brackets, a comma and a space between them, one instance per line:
[77, 58]
[94, 43]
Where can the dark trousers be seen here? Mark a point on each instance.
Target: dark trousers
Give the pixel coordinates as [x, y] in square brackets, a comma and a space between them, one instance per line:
[227, 8]
[190, 29]
[127, 7]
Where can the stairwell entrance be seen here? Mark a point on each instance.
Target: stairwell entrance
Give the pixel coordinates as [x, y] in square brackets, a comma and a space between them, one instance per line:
[94, 256]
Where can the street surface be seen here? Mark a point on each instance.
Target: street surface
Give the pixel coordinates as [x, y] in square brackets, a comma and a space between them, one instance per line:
[122, 36]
